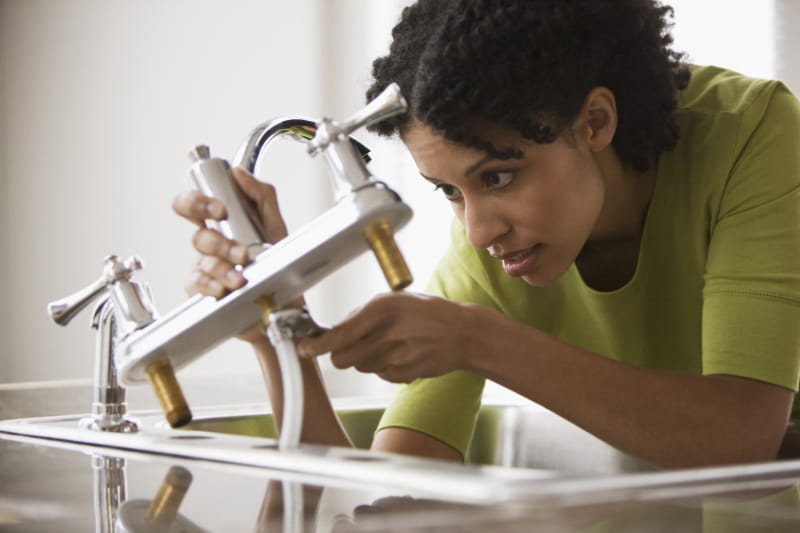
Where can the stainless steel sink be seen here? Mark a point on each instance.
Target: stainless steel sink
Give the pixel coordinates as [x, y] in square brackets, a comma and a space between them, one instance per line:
[520, 436]
[244, 435]
[520, 453]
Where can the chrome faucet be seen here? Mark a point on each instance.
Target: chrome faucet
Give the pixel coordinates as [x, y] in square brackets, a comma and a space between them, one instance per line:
[365, 215]
[124, 306]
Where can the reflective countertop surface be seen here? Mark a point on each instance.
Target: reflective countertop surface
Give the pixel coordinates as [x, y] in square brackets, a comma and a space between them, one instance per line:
[48, 485]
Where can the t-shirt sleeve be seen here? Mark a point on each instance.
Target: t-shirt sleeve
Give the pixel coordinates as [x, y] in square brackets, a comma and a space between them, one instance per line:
[444, 407]
[751, 296]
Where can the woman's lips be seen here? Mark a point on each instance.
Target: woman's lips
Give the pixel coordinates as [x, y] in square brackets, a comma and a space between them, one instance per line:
[520, 263]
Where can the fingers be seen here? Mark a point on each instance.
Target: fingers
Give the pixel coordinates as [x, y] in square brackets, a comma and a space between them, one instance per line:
[347, 334]
[266, 199]
[212, 243]
[367, 342]
[197, 207]
[398, 336]
[370, 355]
[214, 277]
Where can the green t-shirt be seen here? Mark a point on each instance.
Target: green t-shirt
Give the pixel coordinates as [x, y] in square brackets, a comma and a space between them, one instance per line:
[717, 285]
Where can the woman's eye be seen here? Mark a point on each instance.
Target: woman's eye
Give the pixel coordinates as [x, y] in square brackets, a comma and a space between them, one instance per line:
[498, 180]
[450, 192]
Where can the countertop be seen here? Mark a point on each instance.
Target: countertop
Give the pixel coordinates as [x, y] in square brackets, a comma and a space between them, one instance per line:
[58, 486]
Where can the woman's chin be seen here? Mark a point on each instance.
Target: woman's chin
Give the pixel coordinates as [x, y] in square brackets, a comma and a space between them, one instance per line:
[542, 277]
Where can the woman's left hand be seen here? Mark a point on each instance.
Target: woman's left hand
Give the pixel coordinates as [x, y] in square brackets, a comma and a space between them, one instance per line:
[402, 337]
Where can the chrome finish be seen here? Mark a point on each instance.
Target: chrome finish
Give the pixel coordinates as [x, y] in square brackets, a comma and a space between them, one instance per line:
[297, 128]
[291, 266]
[589, 478]
[109, 491]
[114, 513]
[294, 323]
[124, 307]
[64, 310]
[387, 104]
[109, 407]
[212, 177]
[428, 478]
[283, 272]
[284, 328]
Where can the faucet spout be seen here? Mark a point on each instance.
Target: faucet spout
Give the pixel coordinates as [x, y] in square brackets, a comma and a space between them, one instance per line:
[125, 306]
[301, 129]
[365, 216]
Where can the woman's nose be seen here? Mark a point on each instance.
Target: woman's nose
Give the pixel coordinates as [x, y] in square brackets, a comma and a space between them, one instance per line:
[484, 222]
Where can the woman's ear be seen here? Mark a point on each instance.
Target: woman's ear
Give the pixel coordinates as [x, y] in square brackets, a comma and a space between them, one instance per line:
[598, 118]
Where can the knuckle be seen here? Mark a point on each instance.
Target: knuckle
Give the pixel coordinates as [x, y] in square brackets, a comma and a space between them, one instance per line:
[338, 361]
[269, 191]
[394, 375]
[207, 263]
[199, 238]
[190, 286]
[188, 203]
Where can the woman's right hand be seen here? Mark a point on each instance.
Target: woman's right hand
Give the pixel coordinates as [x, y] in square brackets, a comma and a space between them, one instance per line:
[216, 273]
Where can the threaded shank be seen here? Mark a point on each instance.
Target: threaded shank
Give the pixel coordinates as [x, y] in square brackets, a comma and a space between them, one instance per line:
[164, 507]
[381, 240]
[169, 393]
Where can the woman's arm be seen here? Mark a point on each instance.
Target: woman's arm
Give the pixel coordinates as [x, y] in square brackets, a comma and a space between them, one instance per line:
[665, 418]
[216, 273]
[320, 423]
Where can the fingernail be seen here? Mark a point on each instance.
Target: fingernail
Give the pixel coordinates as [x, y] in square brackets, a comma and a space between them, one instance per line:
[215, 209]
[239, 254]
[302, 349]
[215, 286]
[234, 277]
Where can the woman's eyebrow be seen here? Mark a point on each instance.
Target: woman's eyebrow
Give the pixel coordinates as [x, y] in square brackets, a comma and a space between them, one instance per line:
[478, 164]
[469, 170]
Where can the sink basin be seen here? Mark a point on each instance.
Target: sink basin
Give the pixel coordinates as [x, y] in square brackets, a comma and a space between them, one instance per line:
[520, 436]
[540, 446]
[520, 453]
[244, 435]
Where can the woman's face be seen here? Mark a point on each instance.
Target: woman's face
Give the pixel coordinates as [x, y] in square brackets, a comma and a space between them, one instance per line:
[534, 213]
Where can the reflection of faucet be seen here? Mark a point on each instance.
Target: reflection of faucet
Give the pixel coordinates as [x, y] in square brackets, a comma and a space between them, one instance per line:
[109, 491]
[365, 216]
[125, 306]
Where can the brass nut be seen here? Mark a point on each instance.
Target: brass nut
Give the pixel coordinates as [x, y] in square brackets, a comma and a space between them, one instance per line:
[169, 393]
[267, 305]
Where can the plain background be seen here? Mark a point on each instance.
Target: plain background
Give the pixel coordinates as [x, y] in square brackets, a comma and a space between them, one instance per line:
[100, 101]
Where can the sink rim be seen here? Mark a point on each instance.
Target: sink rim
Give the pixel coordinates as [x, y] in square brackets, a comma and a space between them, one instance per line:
[479, 484]
[424, 477]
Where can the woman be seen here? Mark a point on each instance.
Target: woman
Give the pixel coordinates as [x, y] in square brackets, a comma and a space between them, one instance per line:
[625, 250]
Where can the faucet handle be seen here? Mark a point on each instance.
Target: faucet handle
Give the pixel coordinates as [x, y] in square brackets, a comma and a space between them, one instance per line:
[64, 310]
[388, 103]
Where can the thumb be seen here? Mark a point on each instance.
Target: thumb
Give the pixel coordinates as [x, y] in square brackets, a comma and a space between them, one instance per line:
[266, 199]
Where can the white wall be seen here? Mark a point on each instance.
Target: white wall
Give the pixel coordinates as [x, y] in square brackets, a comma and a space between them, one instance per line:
[737, 34]
[787, 38]
[100, 101]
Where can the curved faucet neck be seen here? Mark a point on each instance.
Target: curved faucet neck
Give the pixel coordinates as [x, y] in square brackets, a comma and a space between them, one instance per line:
[262, 136]
[348, 168]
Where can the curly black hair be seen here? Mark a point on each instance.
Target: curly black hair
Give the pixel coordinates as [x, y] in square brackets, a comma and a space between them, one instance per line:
[529, 64]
